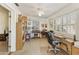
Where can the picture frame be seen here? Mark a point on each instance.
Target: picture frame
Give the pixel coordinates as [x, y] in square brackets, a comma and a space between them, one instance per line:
[45, 25]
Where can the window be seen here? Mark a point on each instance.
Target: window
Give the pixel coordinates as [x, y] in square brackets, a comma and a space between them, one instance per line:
[35, 25]
[58, 23]
[51, 23]
[73, 17]
[64, 19]
[68, 23]
[65, 23]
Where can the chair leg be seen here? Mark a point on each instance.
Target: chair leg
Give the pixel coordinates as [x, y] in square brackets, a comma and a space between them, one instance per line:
[56, 50]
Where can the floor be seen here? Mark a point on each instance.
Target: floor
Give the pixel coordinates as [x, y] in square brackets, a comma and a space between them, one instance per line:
[35, 47]
[3, 48]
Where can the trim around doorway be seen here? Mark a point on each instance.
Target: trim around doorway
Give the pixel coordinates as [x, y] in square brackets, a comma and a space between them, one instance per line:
[12, 27]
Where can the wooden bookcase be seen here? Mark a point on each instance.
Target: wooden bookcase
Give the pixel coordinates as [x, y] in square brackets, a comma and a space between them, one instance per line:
[20, 33]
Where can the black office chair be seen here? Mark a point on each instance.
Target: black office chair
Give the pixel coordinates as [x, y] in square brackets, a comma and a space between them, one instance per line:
[53, 42]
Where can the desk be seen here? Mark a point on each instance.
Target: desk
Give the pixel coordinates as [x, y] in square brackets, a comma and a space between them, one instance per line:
[75, 50]
[67, 43]
[59, 36]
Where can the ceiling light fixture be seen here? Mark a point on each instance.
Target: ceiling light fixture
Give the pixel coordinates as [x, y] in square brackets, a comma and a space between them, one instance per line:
[40, 12]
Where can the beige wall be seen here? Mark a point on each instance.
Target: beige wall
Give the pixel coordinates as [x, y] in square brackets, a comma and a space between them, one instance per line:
[3, 19]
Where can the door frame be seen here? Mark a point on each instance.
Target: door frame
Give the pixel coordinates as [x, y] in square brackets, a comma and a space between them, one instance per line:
[12, 33]
[9, 27]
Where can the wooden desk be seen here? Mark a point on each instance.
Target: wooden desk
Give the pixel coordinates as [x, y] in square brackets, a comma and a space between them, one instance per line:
[75, 51]
[67, 44]
[72, 50]
[58, 36]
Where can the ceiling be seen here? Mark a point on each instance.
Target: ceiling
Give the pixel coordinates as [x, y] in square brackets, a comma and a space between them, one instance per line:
[31, 9]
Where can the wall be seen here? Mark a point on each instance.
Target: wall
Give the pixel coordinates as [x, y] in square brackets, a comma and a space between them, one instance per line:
[3, 19]
[41, 21]
[68, 9]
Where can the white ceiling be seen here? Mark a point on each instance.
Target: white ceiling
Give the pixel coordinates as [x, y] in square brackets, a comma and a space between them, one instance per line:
[31, 9]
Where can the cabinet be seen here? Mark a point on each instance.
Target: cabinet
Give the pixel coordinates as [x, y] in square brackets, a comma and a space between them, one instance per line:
[20, 32]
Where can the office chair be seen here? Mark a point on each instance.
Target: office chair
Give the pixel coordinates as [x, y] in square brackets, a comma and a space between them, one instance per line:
[53, 42]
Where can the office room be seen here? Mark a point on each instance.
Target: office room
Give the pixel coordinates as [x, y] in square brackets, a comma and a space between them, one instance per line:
[39, 28]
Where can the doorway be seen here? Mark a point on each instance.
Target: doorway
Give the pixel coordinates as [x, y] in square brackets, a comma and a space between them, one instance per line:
[4, 29]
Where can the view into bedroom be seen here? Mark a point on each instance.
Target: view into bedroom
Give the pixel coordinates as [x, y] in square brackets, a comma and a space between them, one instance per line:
[4, 28]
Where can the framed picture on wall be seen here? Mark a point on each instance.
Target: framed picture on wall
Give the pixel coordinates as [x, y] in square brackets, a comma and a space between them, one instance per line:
[45, 25]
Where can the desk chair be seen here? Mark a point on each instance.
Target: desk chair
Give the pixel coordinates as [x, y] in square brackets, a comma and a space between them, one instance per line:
[53, 42]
